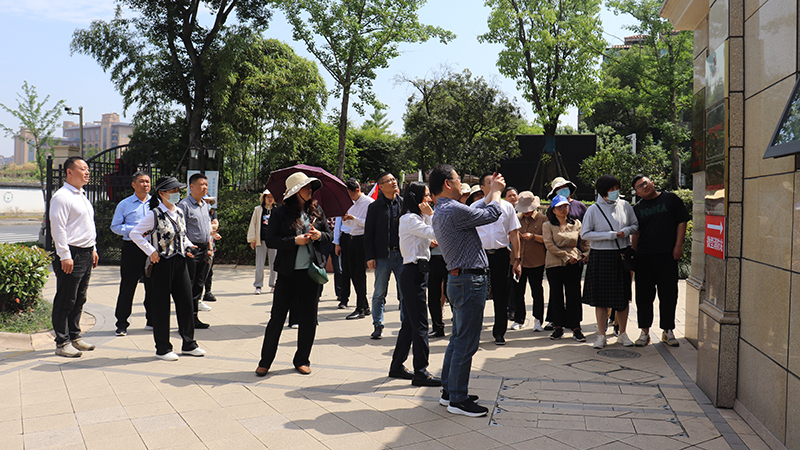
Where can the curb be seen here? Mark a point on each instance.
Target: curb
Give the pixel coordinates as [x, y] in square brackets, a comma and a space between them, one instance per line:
[23, 341]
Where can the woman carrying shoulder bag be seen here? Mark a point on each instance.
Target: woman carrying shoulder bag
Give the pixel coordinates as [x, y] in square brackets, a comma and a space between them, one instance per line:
[168, 247]
[297, 229]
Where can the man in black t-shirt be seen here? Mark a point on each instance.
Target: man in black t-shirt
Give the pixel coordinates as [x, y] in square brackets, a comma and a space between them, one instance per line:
[659, 245]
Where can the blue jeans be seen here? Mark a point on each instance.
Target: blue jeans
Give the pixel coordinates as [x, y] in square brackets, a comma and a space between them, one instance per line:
[467, 295]
[384, 267]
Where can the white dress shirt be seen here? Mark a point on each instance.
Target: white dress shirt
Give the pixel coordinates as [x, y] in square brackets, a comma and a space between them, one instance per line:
[494, 236]
[71, 220]
[359, 212]
[146, 225]
[416, 234]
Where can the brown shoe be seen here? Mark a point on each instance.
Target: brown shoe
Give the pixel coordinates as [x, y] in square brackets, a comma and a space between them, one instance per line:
[305, 370]
[261, 371]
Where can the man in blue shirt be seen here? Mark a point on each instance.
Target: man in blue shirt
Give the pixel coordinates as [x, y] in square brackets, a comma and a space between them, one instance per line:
[454, 226]
[130, 212]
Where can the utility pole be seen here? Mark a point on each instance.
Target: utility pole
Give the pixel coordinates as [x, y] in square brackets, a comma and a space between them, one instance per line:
[80, 117]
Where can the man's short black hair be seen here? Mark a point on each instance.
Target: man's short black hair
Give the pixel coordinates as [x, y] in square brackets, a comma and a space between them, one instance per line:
[636, 179]
[352, 184]
[138, 174]
[483, 177]
[70, 162]
[383, 174]
[197, 176]
[437, 177]
[510, 188]
[605, 183]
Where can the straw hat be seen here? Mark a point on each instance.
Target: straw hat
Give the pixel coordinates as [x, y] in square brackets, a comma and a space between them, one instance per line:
[527, 202]
[264, 194]
[558, 183]
[464, 188]
[299, 180]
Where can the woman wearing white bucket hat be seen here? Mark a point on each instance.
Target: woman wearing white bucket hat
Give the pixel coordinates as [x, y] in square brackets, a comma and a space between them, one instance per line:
[256, 234]
[297, 229]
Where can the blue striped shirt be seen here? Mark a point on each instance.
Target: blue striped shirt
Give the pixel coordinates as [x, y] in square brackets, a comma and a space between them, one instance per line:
[454, 225]
[129, 212]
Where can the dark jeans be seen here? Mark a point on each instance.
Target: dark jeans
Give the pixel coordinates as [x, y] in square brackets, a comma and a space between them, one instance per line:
[437, 283]
[357, 269]
[131, 270]
[564, 282]
[198, 271]
[298, 292]
[533, 276]
[71, 294]
[414, 328]
[171, 277]
[499, 265]
[656, 271]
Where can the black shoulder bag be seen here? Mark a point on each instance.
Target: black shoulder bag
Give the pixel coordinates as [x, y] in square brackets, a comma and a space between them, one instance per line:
[627, 254]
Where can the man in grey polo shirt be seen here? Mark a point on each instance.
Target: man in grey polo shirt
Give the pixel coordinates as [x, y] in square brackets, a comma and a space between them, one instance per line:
[198, 230]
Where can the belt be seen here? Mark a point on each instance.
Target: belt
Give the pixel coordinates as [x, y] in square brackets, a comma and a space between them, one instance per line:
[73, 249]
[455, 272]
[492, 251]
[396, 248]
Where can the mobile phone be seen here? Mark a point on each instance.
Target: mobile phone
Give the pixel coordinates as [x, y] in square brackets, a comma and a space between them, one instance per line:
[516, 277]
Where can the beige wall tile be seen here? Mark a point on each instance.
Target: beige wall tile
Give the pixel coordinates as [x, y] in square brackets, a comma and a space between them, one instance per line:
[793, 413]
[796, 226]
[737, 17]
[735, 173]
[762, 389]
[765, 318]
[708, 355]
[717, 24]
[765, 228]
[734, 235]
[794, 327]
[750, 7]
[770, 37]
[716, 281]
[761, 115]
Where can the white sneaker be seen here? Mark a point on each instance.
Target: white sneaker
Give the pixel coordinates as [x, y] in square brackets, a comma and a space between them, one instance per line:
[668, 337]
[624, 339]
[201, 306]
[66, 349]
[196, 352]
[600, 342]
[537, 325]
[644, 339]
[148, 328]
[258, 291]
[517, 326]
[171, 356]
[295, 326]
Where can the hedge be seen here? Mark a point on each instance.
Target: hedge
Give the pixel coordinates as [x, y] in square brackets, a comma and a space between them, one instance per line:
[24, 272]
[234, 212]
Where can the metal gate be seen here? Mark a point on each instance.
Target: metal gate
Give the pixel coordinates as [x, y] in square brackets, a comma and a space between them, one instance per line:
[109, 182]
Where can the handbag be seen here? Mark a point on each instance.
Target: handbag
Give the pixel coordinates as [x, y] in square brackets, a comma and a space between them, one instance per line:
[315, 272]
[628, 254]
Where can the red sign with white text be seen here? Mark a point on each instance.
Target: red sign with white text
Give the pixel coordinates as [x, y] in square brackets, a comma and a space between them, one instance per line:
[715, 236]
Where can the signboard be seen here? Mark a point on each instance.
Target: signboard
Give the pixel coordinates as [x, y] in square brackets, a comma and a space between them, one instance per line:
[715, 236]
[213, 183]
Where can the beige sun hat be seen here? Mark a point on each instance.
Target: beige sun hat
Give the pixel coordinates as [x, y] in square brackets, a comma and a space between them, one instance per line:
[558, 183]
[264, 194]
[464, 188]
[527, 202]
[299, 180]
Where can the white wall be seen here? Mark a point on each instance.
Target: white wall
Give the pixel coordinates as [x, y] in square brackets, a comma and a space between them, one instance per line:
[21, 200]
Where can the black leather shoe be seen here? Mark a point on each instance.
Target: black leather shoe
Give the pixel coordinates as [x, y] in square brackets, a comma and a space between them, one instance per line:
[200, 325]
[378, 333]
[355, 315]
[436, 333]
[429, 381]
[209, 297]
[367, 312]
[404, 374]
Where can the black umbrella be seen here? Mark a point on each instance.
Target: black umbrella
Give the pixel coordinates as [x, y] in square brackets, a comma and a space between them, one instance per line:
[332, 196]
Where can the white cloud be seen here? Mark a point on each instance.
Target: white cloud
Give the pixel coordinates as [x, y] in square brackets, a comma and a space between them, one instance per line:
[71, 11]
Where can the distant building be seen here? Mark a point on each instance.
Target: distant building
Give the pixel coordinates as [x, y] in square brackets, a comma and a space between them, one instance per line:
[6, 160]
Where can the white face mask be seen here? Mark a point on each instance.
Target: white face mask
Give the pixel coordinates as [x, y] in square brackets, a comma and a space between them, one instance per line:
[613, 195]
[174, 198]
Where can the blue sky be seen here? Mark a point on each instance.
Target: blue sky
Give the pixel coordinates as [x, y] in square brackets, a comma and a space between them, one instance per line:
[37, 33]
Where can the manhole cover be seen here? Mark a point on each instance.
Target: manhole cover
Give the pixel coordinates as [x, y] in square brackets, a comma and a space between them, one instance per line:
[620, 354]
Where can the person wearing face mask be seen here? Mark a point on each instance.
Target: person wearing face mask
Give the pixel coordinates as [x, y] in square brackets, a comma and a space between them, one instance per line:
[161, 234]
[607, 226]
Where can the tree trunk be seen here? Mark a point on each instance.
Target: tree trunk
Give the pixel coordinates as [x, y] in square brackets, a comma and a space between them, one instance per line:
[343, 131]
[673, 141]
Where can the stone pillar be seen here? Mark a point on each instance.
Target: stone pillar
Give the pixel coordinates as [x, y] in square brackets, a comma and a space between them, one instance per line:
[62, 152]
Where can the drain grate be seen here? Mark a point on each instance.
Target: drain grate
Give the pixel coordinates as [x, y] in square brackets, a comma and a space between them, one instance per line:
[619, 354]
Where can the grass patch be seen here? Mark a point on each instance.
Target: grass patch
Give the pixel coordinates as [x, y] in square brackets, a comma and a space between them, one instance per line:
[28, 321]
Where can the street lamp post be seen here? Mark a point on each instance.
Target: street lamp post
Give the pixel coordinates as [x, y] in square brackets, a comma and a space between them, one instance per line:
[80, 114]
[201, 151]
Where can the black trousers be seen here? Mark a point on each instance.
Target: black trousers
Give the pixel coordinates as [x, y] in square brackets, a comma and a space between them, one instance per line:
[656, 271]
[170, 277]
[357, 261]
[499, 265]
[71, 294]
[198, 271]
[436, 277]
[414, 328]
[344, 284]
[299, 293]
[565, 306]
[533, 276]
[131, 270]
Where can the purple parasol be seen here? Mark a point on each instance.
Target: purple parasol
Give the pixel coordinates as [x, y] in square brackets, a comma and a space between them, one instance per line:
[332, 196]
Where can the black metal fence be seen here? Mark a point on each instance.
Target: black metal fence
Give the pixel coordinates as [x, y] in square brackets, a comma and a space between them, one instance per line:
[109, 182]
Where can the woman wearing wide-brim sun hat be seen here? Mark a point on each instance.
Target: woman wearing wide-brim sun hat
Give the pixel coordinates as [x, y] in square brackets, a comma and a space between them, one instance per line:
[565, 188]
[297, 229]
[256, 234]
[475, 194]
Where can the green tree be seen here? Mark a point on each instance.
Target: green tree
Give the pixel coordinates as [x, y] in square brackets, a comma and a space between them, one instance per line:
[648, 88]
[38, 125]
[550, 49]
[616, 157]
[378, 149]
[161, 57]
[460, 120]
[354, 38]
[378, 120]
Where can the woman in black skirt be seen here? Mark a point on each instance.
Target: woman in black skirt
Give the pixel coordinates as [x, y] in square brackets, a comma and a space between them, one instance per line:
[608, 225]
[298, 229]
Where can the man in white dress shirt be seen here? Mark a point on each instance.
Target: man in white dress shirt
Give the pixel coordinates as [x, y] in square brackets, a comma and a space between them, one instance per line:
[353, 245]
[496, 238]
[74, 234]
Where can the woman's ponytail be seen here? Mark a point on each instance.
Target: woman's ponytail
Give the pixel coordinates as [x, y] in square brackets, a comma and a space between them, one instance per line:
[154, 201]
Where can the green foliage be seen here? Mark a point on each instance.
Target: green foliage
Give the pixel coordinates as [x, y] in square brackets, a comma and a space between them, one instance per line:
[685, 263]
[687, 197]
[615, 157]
[27, 172]
[550, 49]
[38, 122]
[24, 272]
[460, 120]
[166, 131]
[378, 151]
[109, 245]
[354, 38]
[234, 213]
[40, 318]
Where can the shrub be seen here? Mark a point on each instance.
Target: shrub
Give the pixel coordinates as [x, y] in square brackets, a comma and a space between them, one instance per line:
[236, 208]
[685, 263]
[687, 196]
[24, 274]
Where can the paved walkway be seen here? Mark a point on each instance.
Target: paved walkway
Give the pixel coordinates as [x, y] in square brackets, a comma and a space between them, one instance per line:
[542, 394]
